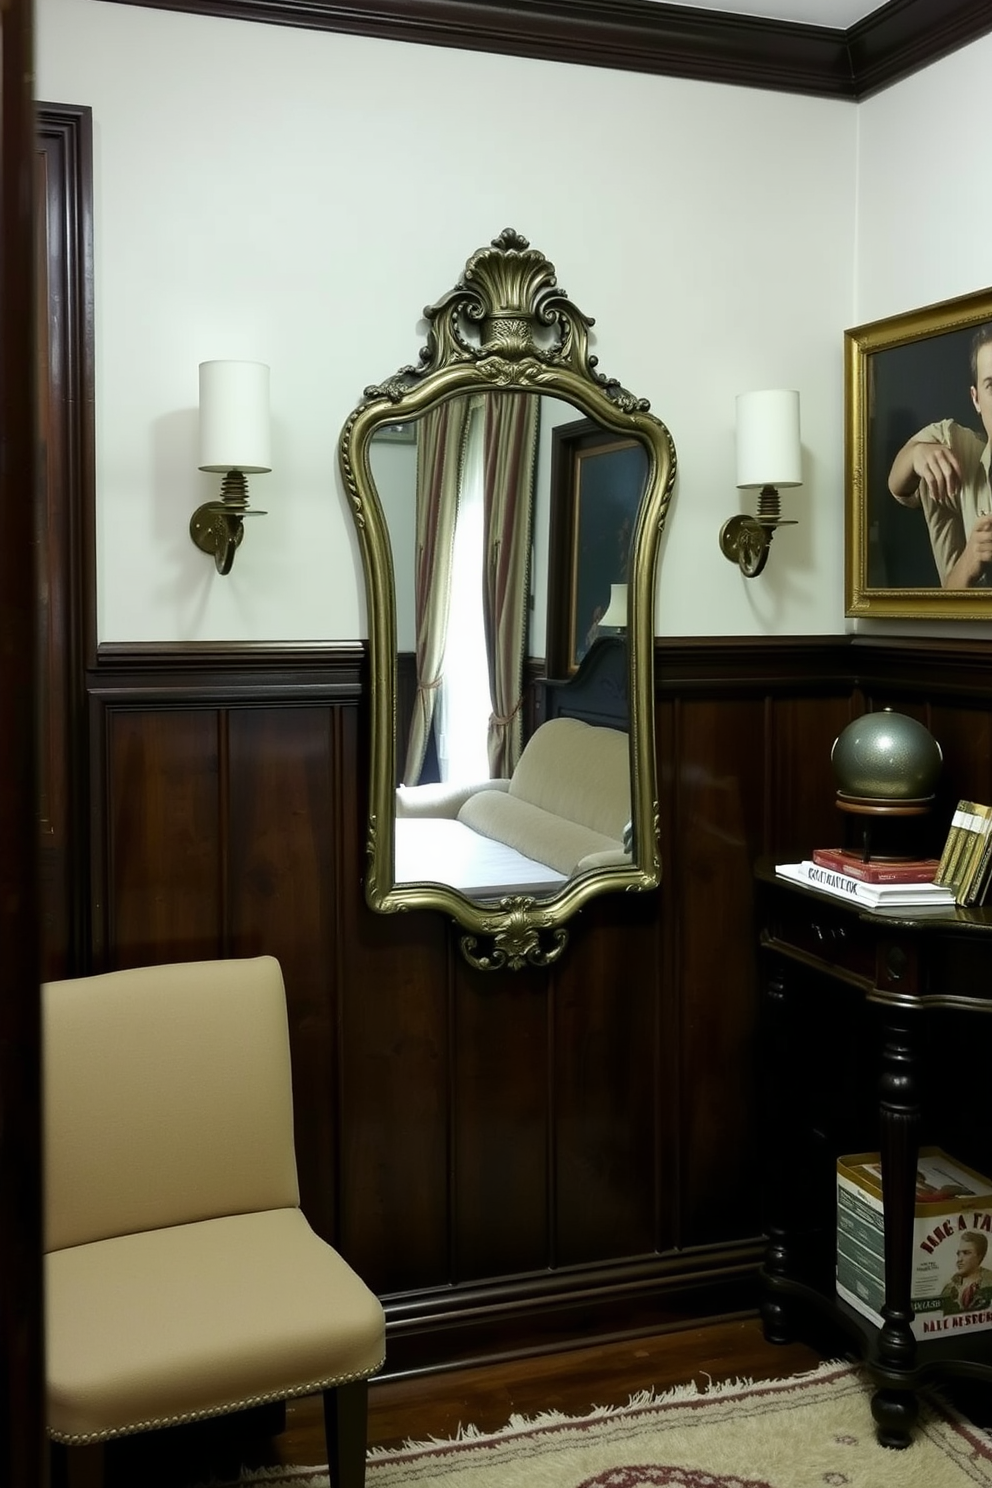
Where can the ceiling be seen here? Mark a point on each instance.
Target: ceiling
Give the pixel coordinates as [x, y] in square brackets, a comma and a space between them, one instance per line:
[840, 14]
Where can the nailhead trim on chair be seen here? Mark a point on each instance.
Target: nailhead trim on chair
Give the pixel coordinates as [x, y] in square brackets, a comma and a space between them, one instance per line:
[224, 1410]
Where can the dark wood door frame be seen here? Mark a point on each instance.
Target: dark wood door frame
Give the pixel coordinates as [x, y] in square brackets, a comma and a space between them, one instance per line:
[22, 1448]
[66, 522]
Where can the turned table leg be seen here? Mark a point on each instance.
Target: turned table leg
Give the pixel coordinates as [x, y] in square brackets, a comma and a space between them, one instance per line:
[780, 1143]
[895, 1407]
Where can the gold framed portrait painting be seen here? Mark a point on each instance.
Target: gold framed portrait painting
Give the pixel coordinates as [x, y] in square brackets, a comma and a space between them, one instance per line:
[918, 428]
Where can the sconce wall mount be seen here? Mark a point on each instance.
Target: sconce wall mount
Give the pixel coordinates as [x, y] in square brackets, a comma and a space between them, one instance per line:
[769, 456]
[234, 442]
[217, 526]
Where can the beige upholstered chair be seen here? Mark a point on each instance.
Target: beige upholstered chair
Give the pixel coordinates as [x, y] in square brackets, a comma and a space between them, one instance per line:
[182, 1279]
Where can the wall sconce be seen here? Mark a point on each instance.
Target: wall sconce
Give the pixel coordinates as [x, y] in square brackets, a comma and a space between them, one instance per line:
[234, 441]
[769, 456]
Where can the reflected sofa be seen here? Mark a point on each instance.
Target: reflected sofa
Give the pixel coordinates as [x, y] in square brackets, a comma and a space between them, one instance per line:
[567, 808]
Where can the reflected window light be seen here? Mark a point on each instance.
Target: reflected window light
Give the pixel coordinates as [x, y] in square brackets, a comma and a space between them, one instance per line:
[464, 704]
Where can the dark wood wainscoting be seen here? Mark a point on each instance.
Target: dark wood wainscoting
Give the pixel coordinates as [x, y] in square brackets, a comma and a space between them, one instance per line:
[950, 690]
[744, 731]
[516, 1160]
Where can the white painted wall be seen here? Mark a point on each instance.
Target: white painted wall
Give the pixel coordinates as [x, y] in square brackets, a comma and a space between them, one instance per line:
[294, 197]
[924, 211]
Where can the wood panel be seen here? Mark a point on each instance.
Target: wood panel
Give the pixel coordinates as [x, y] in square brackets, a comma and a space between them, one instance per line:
[280, 889]
[719, 749]
[394, 1105]
[948, 689]
[607, 1080]
[513, 1160]
[801, 787]
[393, 1071]
[167, 832]
[744, 731]
[500, 1108]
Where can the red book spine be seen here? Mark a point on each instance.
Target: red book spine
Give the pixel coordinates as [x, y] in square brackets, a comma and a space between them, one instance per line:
[915, 870]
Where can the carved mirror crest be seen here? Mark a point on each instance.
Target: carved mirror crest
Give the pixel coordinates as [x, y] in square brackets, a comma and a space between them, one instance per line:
[507, 493]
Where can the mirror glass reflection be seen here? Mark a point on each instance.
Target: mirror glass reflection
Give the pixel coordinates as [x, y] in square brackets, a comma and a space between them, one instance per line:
[510, 519]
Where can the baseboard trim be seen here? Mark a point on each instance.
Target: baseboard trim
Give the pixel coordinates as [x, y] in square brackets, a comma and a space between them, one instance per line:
[464, 1327]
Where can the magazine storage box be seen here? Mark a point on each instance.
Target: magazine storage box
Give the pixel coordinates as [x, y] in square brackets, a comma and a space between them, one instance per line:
[951, 1286]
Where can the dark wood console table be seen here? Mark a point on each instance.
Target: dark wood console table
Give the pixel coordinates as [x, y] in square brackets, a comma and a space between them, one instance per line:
[893, 971]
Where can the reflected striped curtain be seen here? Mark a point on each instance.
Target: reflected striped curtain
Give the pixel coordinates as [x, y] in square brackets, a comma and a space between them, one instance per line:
[440, 451]
[509, 458]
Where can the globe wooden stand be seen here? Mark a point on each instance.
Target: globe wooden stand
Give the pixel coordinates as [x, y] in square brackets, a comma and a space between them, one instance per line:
[886, 829]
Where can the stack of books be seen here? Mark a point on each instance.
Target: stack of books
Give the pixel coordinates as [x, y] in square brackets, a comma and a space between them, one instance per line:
[965, 865]
[876, 870]
[875, 895]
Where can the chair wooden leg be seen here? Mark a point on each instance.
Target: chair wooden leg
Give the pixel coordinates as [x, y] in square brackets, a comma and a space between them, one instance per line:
[78, 1467]
[346, 1412]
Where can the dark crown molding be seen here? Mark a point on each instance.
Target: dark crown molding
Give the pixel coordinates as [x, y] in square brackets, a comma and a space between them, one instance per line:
[639, 36]
[906, 35]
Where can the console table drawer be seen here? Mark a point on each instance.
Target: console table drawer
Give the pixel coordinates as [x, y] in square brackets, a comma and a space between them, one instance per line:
[820, 931]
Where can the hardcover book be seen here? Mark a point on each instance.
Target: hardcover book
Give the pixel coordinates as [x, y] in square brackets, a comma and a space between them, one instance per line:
[872, 895]
[969, 886]
[977, 889]
[875, 870]
[963, 861]
[955, 835]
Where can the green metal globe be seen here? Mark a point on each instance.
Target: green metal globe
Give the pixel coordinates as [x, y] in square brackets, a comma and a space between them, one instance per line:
[886, 756]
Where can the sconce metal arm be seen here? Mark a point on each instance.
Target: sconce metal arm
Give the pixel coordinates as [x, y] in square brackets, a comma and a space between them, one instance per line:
[746, 540]
[217, 526]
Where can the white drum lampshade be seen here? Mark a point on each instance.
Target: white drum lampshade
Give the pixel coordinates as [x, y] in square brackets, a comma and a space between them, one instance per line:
[234, 417]
[769, 451]
[616, 611]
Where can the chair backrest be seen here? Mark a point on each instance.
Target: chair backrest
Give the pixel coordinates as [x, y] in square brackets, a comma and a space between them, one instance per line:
[167, 1098]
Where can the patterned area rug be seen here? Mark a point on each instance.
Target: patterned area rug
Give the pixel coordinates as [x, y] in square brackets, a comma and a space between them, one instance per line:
[811, 1431]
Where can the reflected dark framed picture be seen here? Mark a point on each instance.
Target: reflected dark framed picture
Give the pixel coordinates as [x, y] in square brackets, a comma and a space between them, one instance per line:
[597, 482]
[918, 420]
[398, 433]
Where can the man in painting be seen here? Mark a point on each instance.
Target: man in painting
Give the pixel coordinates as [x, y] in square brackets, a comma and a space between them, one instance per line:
[970, 1288]
[945, 470]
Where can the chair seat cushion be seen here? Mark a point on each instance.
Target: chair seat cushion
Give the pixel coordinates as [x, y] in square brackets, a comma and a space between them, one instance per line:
[197, 1320]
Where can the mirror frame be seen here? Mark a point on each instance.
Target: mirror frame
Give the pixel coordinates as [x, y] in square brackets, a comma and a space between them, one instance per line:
[530, 338]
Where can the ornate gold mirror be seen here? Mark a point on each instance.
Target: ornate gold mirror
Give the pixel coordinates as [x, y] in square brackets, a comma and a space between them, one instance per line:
[509, 500]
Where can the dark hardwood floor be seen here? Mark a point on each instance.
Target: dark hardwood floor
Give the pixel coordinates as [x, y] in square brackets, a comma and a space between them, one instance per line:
[436, 1404]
